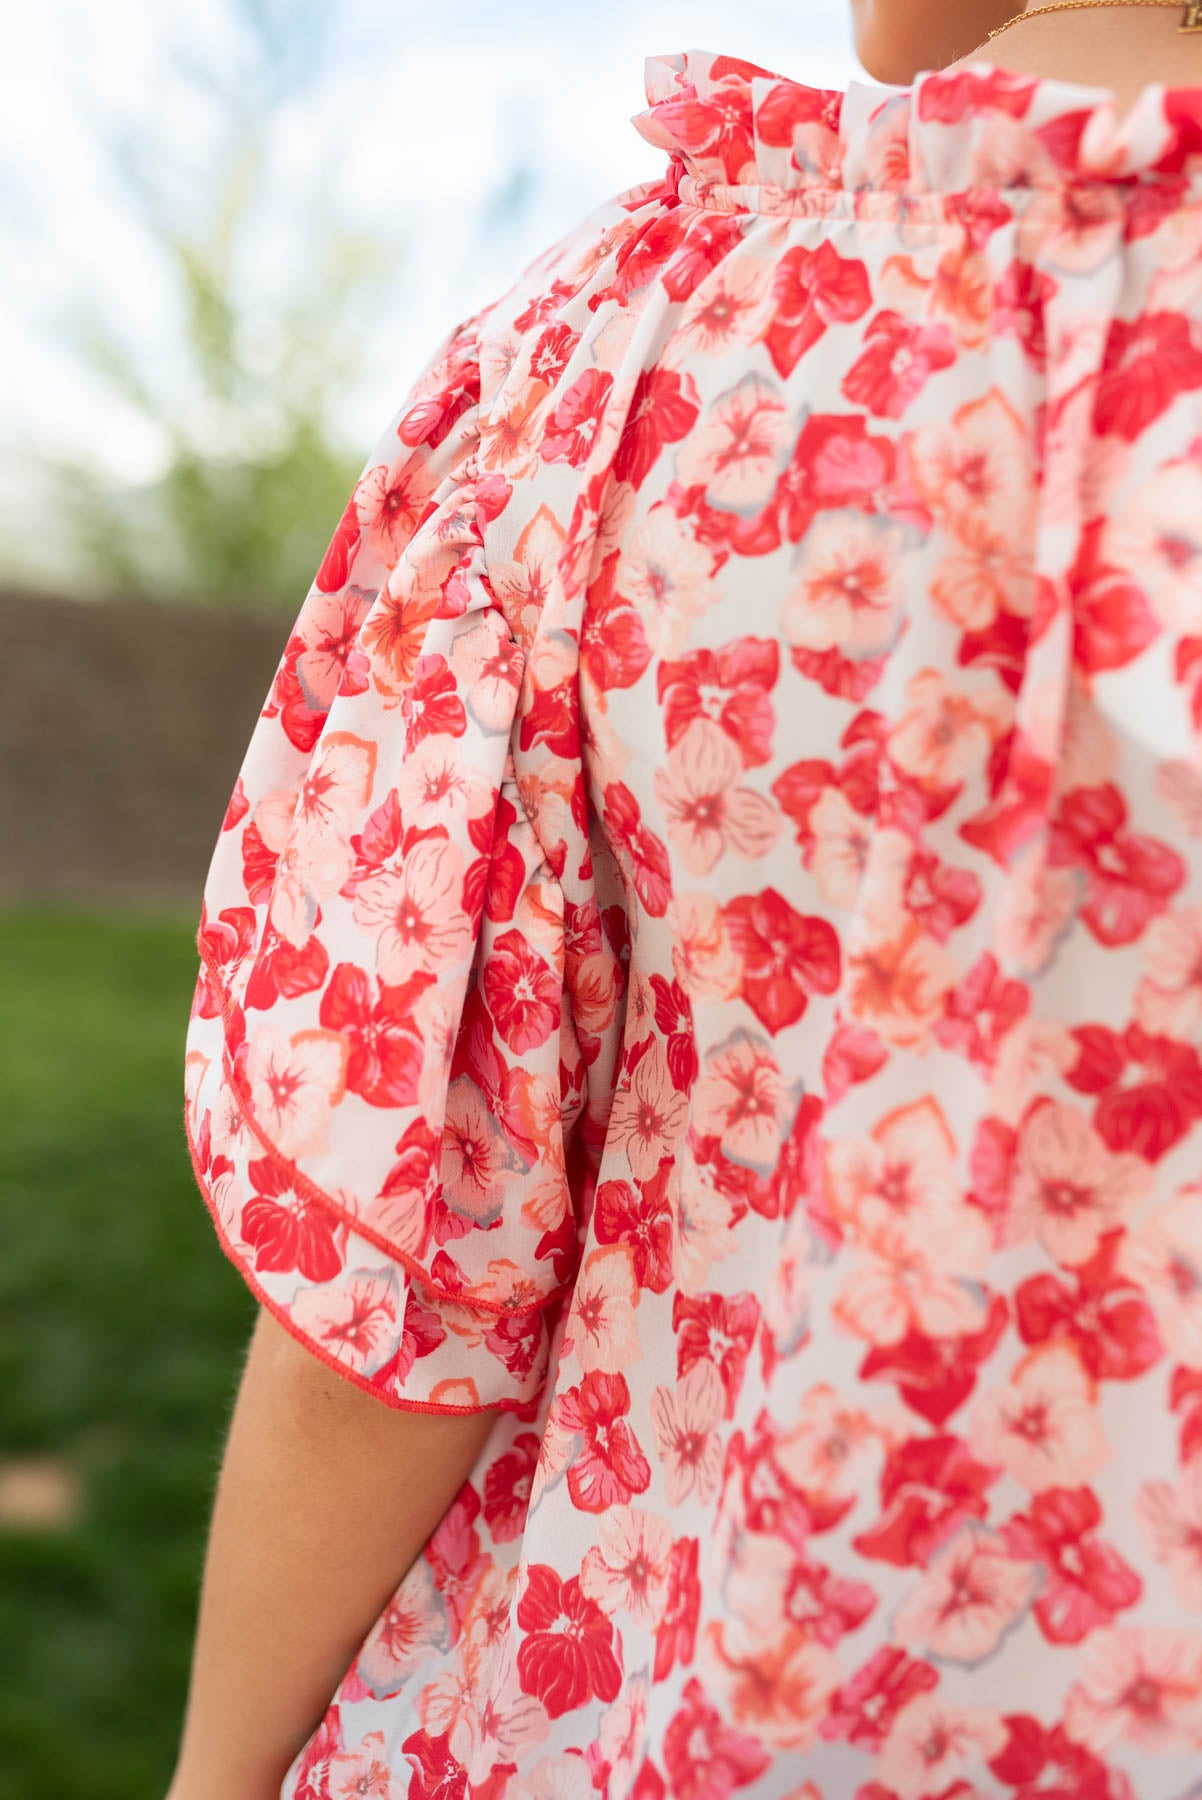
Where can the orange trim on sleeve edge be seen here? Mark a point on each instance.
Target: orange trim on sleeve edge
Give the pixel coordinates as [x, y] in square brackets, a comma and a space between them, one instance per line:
[298, 1180]
[525, 1409]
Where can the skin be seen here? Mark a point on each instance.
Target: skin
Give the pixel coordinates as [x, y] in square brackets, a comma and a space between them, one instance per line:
[1122, 49]
[326, 1496]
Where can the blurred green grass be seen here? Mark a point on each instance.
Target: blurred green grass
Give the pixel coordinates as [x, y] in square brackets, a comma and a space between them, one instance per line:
[121, 1333]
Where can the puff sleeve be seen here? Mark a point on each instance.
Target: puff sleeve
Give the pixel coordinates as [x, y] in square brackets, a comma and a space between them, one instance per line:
[381, 1072]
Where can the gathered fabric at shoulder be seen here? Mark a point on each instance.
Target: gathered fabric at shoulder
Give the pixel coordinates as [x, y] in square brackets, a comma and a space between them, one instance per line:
[744, 138]
[380, 1061]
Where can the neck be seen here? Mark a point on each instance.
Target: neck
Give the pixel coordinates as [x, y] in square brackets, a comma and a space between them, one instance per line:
[1122, 48]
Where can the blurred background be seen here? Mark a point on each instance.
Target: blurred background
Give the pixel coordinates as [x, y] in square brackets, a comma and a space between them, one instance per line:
[232, 233]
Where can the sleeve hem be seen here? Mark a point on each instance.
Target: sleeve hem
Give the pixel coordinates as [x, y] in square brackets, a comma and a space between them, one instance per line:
[318, 1196]
[523, 1408]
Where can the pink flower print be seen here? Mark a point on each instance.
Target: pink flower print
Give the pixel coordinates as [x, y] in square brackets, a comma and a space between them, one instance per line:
[904, 1173]
[932, 1745]
[602, 1329]
[358, 1323]
[839, 854]
[702, 1225]
[626, 1570]
[945, 733]
[832, 1450]
[742, 1100]
[362, 1773]
[294, 1083]
[703, 960]
[1141, 1685]
[413, 1623]
[1157, 538]
[737, 449]
[488, 669]
[477, 1162]
[667, 576]
[972, 1593]
[648, 1115]
[327, 630]
[390, 499]
[1170, 1514]
[709, 813]
[847, 594]
[1164, 1259]
[609, 1467]
[778, 1691]
[902, 1283]
[1069, 1186]
[688, 1445]
[976, 468]
[416, 910]
[1044, 1428]
[722, 312]
[1168, 1002]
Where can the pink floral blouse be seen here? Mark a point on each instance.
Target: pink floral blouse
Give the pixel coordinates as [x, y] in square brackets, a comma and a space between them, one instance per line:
[704, 959]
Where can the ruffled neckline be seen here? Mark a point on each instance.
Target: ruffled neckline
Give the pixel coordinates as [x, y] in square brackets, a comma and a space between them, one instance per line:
[729, 124]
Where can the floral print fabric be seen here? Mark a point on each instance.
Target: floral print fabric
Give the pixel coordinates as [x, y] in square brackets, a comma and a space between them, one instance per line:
[704, 957]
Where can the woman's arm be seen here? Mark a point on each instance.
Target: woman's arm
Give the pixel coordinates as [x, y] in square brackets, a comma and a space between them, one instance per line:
[325, 1499]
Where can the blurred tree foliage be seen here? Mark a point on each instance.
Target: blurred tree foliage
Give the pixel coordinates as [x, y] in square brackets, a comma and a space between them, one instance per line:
[254, 481]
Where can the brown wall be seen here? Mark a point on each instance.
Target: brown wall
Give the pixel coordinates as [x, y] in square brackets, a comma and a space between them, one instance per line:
[122, 727]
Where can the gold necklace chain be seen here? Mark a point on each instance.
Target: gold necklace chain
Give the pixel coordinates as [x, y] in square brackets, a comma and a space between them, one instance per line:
[1191, 22]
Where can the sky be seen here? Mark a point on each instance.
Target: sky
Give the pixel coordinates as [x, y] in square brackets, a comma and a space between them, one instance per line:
[470, 135]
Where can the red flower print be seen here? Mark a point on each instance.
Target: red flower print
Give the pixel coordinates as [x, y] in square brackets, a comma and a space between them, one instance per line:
[1131, 876]
[929, 1488]
[522, 992]
[577, 418]
[1150, 1088]
[649, 865]
[437, 1774]
[1088, 1583]
[432, 706]
[864, 1708]
[336, 563]
[609, 1468]
[641, 1218]
[826, 1606]
[786, 956]
[935, 1376]
[900, 359]
[507, 1488]
[811, 290]
[707, 1759]
[386, 1053]
[282, 969]
[287, 1230]
[1112, 621]
[841, 464]
[676, 1632]
[1150, 362]
[613, 643]
[494, 882]
[716, 1328]
[1104, 1316]
[947, 99]
[568, 1654]
[552, 352]
[731, 686]
[1020, 302]
[663, 409]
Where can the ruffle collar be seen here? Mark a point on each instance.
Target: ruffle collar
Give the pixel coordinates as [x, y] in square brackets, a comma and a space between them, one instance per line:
[729, 123]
